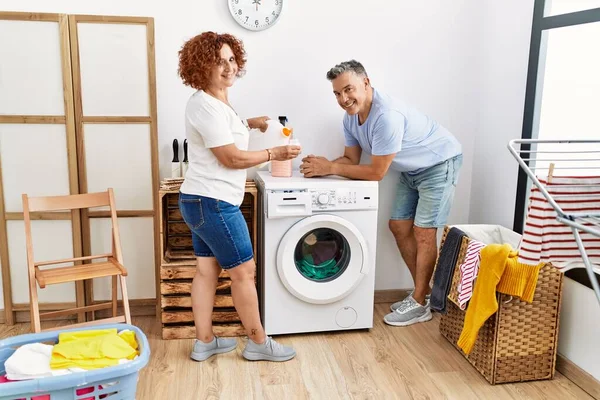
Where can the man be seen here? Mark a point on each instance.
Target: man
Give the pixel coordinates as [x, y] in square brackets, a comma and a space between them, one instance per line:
[425, 153]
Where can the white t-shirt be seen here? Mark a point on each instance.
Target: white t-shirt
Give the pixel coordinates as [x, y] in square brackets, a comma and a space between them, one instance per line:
[211, 123]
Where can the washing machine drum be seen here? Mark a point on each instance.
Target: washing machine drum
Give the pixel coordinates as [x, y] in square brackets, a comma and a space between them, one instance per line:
[322, 258]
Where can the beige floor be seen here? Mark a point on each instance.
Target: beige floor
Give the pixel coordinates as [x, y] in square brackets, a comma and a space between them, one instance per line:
[384, 363]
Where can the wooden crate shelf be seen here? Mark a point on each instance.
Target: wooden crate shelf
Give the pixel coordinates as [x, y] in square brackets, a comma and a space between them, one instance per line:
[178, 266]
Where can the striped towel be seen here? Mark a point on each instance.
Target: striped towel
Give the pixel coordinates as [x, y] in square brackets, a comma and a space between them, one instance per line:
[468, 272]
[547, 240]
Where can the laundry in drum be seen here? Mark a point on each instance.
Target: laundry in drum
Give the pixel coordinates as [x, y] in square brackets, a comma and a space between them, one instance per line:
[318, 260]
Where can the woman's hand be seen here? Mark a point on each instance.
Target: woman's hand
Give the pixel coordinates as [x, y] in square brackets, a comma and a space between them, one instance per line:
[283, 153]
[258, 123]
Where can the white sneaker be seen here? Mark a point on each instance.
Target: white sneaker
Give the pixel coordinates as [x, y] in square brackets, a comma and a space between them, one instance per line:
[397, 304]
[270, 350]
[202, 351]
[410, 312]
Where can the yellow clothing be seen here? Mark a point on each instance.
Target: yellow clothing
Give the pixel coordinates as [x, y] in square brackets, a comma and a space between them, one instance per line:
[519, 279]
[129, 337]
[500, 271]
[92, 349]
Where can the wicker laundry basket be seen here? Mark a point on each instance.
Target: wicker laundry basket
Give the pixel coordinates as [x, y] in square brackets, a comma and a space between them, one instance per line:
[518, 343]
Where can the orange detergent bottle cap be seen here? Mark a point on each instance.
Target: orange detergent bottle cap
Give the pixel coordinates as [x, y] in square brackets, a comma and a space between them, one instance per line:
[287, 132]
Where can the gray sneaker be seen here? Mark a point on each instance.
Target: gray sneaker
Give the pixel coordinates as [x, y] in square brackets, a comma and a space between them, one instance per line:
[397, 304]
[202, 351]
[410, 312]
[270, 350]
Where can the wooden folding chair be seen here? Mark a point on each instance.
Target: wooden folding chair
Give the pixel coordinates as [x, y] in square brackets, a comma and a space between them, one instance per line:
[113, 266]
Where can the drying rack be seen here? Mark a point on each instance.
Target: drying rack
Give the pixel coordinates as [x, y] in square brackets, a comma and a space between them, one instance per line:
[581, 157]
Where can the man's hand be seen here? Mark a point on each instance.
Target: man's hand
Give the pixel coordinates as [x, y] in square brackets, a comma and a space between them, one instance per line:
[315, 166]
[258, 123]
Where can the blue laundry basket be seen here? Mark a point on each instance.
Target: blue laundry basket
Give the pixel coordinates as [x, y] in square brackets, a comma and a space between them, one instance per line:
[117, 382]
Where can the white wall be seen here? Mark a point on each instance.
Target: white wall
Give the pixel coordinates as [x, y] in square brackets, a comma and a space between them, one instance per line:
[504, 52]
[579, 327]
[426, 52]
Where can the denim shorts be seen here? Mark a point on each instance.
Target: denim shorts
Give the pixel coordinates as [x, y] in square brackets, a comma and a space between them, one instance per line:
[218, 229]
[426, 197]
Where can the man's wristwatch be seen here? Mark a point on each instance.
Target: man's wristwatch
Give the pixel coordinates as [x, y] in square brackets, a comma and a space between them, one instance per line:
[270, 154]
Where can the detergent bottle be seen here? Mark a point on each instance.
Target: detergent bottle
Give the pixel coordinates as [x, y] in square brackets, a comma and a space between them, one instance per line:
[284, 134]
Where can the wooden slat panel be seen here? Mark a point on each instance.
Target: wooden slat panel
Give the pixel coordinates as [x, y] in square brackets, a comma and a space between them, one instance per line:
[39, 216]
[175, 287]
[73, 259]
[185, 287]
[116, 120]
[172, 200]
[178, 228]
[248, 201]
[151, 54]
[171, 317]
[189, 332]
[24, 307]
[80, 149]
[55, 203]
[174, 254]
[77, 272]
[32, 119]
[180, 242]
[180, 263]
[139, 307]
[225, 316]
[5, 260]
[221, 301]
[94, 307]
[26, 16]
[69, 104]
[183, 272]
[109, 19]
[122, 214]
[173, 214]
[112, 320]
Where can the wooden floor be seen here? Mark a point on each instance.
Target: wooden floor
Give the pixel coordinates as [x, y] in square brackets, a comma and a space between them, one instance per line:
[384, 363]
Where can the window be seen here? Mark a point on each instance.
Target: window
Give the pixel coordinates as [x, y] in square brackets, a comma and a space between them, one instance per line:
[563, 86]
[557, 7]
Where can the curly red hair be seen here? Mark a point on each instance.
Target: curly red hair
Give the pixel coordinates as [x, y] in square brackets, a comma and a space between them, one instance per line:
[201, 53]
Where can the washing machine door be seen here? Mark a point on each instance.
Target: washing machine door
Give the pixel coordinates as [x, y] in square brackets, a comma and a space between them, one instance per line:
[322, 258]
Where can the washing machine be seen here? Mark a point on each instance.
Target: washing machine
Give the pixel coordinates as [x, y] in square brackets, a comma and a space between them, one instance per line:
[316, 258]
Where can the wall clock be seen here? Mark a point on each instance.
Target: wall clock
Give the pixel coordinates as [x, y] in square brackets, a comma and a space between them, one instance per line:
[255, 15]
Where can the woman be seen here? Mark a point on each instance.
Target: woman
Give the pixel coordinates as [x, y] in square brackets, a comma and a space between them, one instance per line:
[213, 189]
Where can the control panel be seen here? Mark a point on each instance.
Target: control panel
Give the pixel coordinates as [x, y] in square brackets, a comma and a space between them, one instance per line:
[343, 199]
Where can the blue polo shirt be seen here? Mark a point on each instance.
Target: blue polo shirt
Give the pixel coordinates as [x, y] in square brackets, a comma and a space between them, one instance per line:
[393, 127]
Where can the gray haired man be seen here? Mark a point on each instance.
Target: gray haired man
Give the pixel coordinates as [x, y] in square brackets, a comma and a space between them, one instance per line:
[428, 158]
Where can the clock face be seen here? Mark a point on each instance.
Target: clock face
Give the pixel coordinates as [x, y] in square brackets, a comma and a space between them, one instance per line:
[255, 15]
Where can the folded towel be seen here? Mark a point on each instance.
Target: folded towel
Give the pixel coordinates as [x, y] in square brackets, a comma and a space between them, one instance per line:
[30, 361]
[444, 271]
